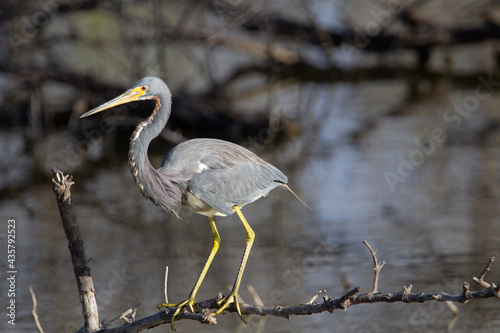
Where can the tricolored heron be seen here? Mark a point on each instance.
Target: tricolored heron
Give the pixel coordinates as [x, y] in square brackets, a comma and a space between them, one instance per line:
[210, 177]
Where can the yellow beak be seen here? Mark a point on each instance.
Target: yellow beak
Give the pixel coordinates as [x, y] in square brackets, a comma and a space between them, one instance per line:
[128, 96]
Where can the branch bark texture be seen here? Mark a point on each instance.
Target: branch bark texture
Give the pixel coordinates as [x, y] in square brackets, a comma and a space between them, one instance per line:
[61, 185]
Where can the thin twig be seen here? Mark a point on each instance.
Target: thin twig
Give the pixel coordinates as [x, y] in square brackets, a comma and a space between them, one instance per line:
[453, 320]
[495, 288]
[453, 308]
[486, 269]
[344, 281]
[166, 287]
[405, 292]
[318, 294]
[255, 295]
[35, 315]
[480, 279]
[345, 301]
[465, 293]
[129, 315]
[377, 266]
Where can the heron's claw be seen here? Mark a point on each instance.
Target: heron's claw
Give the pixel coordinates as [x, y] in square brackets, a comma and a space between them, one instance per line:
[224, 303]
[180, 306]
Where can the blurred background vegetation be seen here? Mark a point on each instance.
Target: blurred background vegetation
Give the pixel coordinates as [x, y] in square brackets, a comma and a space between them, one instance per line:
[222, 59]
[344, 96]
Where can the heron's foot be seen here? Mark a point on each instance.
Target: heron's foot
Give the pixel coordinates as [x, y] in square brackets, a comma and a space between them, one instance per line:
[180, 306]
[224, 303]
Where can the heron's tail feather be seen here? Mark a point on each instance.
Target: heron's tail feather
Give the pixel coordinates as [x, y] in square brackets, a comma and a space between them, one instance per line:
[289, 189]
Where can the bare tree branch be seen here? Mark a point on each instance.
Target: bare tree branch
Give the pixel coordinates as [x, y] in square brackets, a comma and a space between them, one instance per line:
[377, 266]
[485, 270]
[342, 303]
[494, 288]
[34, 313]
[62, 185]
[166, 285]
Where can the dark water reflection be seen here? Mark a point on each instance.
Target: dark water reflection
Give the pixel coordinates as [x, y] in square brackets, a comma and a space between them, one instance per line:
[436, 229]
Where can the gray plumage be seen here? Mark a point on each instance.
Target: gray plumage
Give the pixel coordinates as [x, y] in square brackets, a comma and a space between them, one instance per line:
[208, 176]
[221, 174]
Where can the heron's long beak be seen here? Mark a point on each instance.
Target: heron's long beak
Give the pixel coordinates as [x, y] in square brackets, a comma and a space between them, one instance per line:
[128, 96]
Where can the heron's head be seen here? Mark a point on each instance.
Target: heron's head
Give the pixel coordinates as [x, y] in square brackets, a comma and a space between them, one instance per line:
[146, 88]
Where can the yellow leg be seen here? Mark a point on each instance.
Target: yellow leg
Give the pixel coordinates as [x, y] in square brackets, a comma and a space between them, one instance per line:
[233, 296]
[192, 296]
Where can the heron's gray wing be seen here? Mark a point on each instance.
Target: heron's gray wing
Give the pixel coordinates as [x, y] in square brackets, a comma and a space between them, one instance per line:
[244, 183]
[189, 157]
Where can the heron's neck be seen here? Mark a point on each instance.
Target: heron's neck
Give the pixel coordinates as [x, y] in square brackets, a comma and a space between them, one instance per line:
[150, 128]
[153, 185]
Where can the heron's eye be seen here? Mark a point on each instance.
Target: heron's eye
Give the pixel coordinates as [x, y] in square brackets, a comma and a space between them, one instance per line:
[144, 88]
